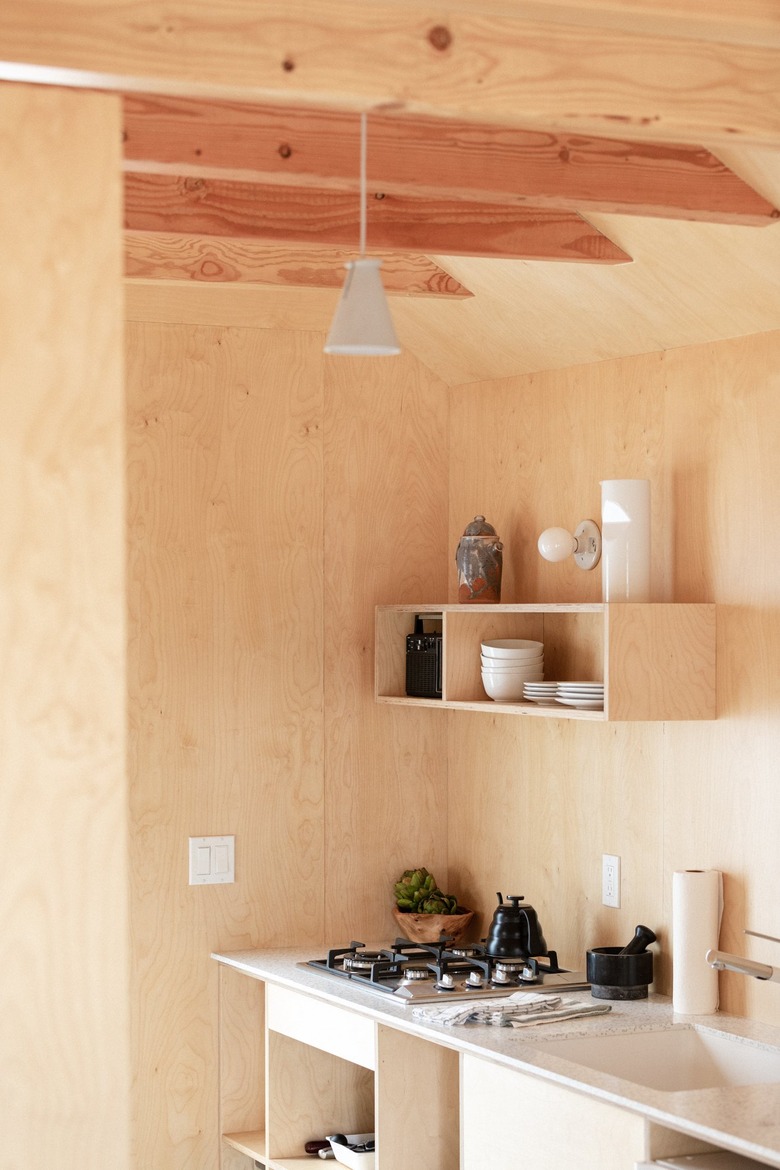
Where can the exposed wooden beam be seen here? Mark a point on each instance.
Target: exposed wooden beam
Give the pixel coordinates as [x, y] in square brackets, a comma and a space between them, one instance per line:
[445, 160]
[330, 218]
[159, 256]
[514, 67]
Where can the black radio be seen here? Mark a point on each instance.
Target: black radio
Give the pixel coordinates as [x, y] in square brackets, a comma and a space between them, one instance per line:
[423, 659]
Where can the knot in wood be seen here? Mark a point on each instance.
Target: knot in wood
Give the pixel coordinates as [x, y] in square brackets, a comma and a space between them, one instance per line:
[285, 151]
[440, 37]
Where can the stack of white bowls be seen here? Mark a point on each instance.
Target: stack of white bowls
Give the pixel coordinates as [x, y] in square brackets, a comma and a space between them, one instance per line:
[509, 663]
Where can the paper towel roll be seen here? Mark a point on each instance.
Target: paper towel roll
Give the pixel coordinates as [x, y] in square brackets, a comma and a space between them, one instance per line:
[697, 905]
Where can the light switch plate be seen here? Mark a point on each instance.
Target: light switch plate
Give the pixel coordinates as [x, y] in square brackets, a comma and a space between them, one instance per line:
[212, 860]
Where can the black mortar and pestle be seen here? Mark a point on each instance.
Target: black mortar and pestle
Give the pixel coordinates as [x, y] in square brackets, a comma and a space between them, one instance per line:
[622, 972]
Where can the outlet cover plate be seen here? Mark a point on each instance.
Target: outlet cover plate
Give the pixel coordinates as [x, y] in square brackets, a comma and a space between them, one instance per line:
[610, 880]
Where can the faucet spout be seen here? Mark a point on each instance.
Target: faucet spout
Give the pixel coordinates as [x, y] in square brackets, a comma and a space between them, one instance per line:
[723, 961]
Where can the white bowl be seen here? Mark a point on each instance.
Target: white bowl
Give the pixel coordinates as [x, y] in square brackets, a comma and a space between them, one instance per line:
[503, 689]
[511, 663]
[513, 677]
[512, 648]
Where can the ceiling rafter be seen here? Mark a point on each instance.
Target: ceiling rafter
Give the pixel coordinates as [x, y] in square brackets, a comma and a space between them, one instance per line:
[330, 218]
[436, 159]
[214, 260]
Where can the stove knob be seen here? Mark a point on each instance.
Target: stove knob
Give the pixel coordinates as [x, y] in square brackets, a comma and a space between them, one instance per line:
[446, 980]
[500, 976]
[475, 979]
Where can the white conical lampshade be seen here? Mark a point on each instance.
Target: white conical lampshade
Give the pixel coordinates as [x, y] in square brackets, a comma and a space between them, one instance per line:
[362, 324]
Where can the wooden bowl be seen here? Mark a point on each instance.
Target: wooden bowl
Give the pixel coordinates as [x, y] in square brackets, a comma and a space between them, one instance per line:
[427, 928]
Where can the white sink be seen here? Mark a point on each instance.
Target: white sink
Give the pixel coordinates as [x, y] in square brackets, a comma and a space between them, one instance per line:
[674, 1059]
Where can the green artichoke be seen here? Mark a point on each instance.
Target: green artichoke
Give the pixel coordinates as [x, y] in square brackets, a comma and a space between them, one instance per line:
[416, 892]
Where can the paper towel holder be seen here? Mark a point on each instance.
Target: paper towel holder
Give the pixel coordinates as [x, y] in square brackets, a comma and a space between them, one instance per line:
[556, 544]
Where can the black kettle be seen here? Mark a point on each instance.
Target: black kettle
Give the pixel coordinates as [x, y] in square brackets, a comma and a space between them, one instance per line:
[515, 932]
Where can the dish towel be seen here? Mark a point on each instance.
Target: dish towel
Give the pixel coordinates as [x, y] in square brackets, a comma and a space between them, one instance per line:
[522, 1009]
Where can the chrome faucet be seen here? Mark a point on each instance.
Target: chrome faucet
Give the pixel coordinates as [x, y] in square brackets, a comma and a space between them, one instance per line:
[723, 961]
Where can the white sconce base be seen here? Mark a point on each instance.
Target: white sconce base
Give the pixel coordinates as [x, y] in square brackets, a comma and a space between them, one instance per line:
[556, 544]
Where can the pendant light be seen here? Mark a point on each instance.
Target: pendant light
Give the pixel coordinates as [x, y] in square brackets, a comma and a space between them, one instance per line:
[362, 325]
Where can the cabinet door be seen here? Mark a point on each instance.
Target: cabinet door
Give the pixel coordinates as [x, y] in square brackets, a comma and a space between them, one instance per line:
[511, 1120]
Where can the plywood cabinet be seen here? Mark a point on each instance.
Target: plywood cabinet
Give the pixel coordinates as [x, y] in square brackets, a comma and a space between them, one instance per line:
[657, 662]
[434, 1103]
[328, 1069]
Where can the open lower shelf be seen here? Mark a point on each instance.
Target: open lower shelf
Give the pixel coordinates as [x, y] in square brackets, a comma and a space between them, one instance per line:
[251, 1143]
[656, 661]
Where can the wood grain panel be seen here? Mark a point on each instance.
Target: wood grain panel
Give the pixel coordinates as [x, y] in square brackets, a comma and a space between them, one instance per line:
[241, 1052]
[225, 597]
[661, 662]
[64, 1085]
[557, 76]
[193, 303]
[426, 1137]
[567, 1126]
[440, 159]
[313, 1093]
[720, 788]
[160, 256]
[700, 422]
[385, 533]
[396, 223]
[529, 453]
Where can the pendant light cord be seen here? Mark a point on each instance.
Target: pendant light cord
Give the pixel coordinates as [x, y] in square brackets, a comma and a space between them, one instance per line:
[363, 153]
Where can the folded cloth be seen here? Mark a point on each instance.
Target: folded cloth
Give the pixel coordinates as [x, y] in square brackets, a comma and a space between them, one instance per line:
[519, 1010]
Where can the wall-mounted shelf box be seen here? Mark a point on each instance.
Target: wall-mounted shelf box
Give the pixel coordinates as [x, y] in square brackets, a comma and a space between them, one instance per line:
[657, 661]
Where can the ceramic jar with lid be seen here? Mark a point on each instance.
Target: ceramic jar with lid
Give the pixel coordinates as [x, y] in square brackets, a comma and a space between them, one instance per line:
[480, 562]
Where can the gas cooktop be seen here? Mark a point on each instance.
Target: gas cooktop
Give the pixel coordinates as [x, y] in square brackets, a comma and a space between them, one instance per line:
[420, 972]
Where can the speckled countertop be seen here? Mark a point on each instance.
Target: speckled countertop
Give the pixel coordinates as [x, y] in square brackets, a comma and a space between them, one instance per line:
[744, 1119]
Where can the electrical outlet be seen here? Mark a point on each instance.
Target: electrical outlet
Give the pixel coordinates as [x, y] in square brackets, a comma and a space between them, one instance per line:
[610, 880]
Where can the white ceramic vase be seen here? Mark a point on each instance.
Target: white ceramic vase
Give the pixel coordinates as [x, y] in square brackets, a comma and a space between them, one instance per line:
[625, 536]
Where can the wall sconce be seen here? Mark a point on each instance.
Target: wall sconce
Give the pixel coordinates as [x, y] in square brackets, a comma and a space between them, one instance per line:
[556, 544]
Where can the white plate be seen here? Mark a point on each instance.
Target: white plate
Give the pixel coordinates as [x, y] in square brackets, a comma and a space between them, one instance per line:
[584, 685]
[580, 690]
[585, 704]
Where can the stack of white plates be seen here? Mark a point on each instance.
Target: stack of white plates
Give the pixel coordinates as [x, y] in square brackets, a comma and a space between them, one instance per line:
[587, 695]
[543, 693]
[509, 663]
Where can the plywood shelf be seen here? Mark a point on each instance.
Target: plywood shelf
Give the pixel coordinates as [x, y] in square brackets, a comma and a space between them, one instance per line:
[251, 1143]
[657, 661]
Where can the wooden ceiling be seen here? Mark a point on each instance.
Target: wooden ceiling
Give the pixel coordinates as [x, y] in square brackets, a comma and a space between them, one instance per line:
[553, 183]
[223, 191]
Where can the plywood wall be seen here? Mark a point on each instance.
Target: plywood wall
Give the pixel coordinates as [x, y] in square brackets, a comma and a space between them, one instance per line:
[64, 1073]
[535, 803]
[273, 499]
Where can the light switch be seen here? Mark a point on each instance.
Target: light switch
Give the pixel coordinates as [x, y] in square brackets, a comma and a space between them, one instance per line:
[212, 860]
